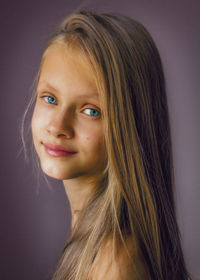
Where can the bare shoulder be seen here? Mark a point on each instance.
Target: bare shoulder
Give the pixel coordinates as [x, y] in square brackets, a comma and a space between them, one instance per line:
[125, 264]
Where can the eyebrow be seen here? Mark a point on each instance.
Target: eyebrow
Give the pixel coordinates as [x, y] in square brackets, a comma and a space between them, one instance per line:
[44, 83]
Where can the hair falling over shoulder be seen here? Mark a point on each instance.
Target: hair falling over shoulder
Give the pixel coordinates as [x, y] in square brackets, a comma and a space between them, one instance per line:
[134, 203]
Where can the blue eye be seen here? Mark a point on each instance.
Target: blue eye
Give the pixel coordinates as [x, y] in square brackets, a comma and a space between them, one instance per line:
[50, 99]
[92, 112]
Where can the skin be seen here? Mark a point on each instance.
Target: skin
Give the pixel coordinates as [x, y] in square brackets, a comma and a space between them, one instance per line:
[67, 119]
[121, 267]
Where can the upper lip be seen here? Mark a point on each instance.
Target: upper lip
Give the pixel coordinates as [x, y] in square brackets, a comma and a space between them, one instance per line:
[58, 148]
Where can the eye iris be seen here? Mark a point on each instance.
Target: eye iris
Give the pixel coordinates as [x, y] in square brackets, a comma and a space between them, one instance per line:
[51, 99]
[94, 112]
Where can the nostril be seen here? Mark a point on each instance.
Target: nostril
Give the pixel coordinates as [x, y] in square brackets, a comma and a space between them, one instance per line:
[67, 133]
[68, 136]
[60, 129]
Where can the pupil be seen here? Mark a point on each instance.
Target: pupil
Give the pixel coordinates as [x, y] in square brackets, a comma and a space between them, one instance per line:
[94, 112]
[51, 99]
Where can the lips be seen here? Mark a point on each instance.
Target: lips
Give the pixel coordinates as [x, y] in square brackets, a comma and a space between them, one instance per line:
[58, 151]
[58, 148]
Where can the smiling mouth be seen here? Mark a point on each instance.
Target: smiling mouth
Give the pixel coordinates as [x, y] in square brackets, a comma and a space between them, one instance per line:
[57, 152]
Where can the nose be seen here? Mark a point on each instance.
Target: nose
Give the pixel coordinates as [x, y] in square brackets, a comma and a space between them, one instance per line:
[60, 125]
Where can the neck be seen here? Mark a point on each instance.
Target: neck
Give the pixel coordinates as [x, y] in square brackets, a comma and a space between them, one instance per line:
[78, 191]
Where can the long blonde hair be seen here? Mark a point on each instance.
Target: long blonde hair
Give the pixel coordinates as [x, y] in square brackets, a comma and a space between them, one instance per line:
[135, 195]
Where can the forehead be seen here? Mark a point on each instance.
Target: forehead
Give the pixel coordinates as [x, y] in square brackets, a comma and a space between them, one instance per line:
[67, 67]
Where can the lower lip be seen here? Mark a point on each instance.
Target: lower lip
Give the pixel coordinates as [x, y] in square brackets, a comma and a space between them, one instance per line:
[57, 153]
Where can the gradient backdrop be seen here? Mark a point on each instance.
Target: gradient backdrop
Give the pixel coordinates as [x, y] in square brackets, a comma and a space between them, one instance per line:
[35, 221]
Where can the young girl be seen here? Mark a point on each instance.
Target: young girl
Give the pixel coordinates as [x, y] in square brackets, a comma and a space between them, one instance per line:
[101, 125]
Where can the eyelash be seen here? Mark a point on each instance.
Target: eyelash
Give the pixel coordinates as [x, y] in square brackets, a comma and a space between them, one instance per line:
[47, 96]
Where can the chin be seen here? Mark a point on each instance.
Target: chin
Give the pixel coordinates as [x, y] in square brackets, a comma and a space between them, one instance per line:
[53, 172]
[55, 176]
[58, 173]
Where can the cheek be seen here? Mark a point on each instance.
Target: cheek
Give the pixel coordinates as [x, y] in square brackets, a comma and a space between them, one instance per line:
[37, 123]
[93, 139]
[34, 129]
[33, 123]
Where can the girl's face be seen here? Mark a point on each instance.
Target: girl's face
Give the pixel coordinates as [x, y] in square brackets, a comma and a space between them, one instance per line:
[67, 113]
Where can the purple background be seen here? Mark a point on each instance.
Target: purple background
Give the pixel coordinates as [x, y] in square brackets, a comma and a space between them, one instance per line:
[34, 221]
